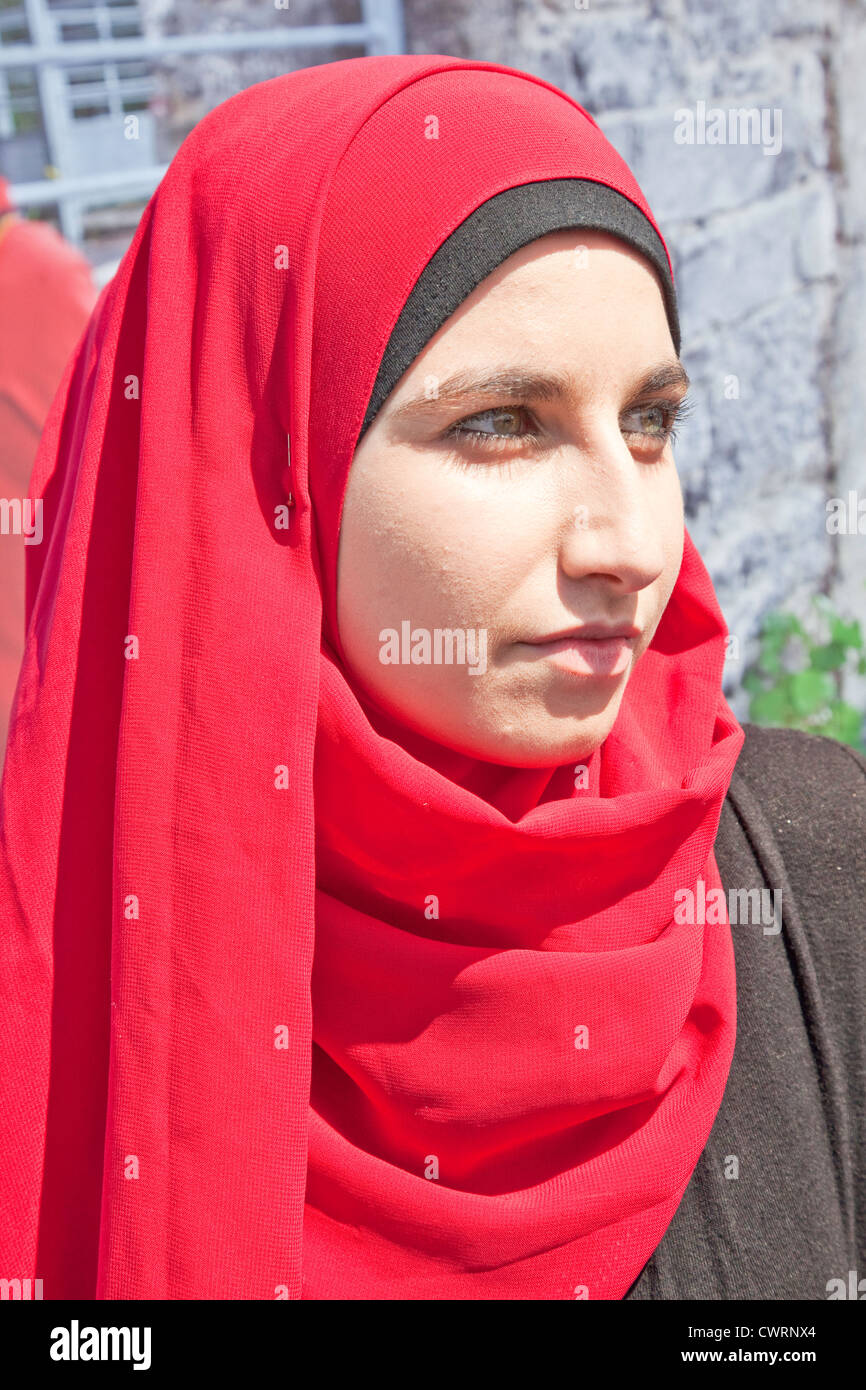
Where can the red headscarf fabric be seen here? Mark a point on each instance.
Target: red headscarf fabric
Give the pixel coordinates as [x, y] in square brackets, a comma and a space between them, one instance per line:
[241, 1058]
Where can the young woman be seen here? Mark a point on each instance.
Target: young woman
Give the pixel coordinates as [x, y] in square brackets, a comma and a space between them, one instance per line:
[369, 749]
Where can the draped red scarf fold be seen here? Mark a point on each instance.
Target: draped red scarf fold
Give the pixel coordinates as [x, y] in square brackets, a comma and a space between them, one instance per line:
[293, 1004]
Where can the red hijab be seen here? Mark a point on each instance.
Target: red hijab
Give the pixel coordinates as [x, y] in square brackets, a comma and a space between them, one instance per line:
[241, 1059]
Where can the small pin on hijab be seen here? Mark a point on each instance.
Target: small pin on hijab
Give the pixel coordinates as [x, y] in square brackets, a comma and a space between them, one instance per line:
[287, 473]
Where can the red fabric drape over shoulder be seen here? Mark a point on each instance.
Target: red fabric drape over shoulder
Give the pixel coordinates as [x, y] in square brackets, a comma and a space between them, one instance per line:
[46, 296]
[163, 887]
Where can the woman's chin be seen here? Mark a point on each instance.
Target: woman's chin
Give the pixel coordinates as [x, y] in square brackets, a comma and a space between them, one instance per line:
[541, 742]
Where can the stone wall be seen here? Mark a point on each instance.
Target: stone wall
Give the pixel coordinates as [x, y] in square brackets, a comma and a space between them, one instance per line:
[768, 239]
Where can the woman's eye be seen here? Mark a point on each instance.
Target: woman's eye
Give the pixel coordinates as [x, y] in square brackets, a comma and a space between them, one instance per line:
[654, 421]
[507, 423]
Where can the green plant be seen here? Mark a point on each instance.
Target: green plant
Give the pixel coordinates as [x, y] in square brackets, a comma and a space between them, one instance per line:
[796, 680]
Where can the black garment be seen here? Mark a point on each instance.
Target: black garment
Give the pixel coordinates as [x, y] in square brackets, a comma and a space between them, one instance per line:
[793, 1111]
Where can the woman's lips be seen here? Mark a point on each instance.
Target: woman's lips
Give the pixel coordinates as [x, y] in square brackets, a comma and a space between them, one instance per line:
[588, 656]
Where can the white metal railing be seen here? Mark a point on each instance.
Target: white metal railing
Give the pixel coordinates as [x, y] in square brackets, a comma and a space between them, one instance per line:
[73, 140]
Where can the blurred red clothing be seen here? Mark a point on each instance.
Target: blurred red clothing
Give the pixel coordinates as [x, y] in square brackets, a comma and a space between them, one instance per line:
[46, 296]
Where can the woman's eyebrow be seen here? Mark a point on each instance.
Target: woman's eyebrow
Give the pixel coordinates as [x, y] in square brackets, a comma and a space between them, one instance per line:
[516, 384]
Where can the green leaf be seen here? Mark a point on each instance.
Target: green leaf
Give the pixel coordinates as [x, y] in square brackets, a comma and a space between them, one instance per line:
[810, 690]
[846, 723]
[849, 634]
[829, 657]
[769, 707]
[752, 681]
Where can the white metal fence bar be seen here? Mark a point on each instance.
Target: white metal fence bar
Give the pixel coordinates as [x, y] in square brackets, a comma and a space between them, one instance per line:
[381, 31]
[127, 182]
[21, 55]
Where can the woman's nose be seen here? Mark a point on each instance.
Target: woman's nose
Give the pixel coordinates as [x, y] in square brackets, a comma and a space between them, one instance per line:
[613, 530]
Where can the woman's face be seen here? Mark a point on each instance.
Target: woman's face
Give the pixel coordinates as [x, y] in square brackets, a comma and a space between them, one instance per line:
[502, 515]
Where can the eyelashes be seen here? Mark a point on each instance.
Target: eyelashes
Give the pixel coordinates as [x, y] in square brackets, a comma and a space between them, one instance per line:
[673, 414]
[669, 415]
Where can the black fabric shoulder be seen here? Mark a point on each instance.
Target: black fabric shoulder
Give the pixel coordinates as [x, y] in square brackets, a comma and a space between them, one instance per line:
[767, 748]
[811, 791]
[793, 1223]
[800, 800]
